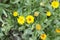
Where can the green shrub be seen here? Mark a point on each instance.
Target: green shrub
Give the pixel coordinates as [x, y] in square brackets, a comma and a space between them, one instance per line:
[29, 20]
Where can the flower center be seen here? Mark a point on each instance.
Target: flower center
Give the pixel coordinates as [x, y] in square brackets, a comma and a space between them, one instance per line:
[29, 19]
[42, 35]
[58, 30]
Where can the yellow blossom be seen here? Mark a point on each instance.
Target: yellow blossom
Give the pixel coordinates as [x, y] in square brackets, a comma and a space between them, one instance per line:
[55, 4]
[38, 27]
[36, 13]
[30, 19]
[15, 13]
[58, 30]
[48, 13]
[21, 20]
[43, 36]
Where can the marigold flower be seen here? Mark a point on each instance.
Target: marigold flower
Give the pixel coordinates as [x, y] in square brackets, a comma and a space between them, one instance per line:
[30, 19]
[15, 13]
[55, 4]
[57, 30]
[36, 13]
[38, 27]
[48, 13]
[43, 36]
[21, 20]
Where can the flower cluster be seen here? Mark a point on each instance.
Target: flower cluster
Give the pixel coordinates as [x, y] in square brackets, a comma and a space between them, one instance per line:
[30, 19]
[21, 19]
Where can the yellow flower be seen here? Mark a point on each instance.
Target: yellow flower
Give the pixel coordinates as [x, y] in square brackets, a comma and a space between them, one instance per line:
[30, 19]
[55, 4]
[21, 20]
[48, 13]
[38, 27]
[58, 30]
[15, 14]
[43, 36]
[36, 13]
